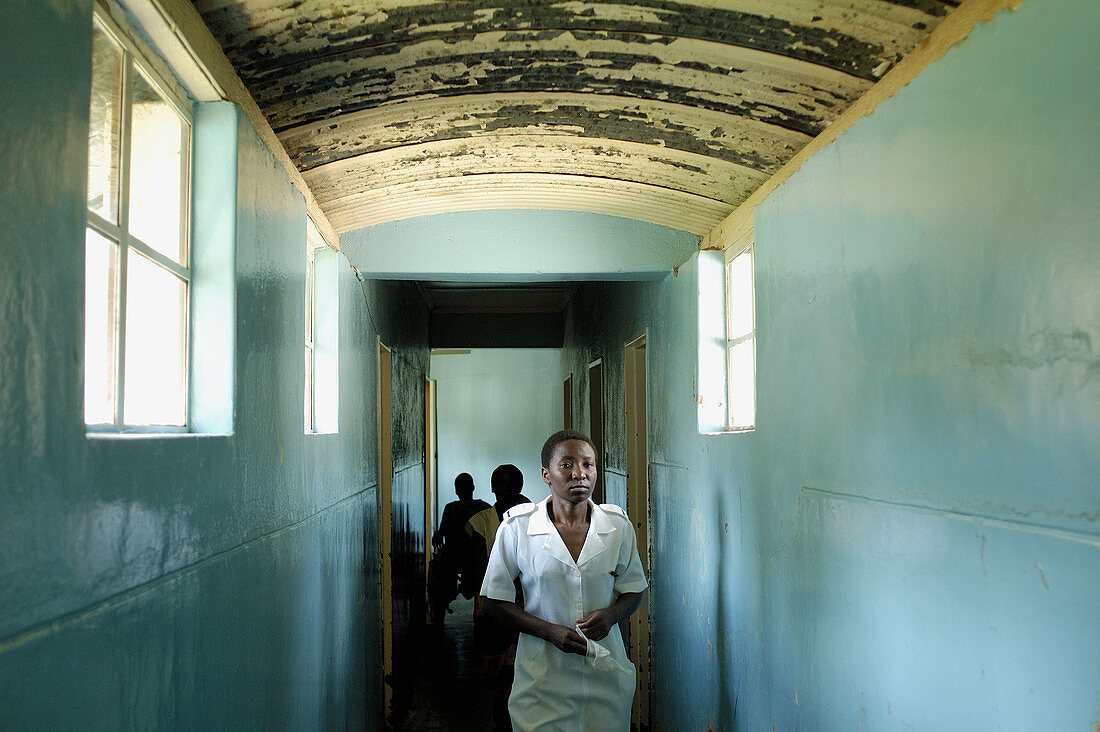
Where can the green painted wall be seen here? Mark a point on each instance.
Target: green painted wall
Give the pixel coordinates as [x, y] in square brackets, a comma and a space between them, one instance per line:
[398, 316]
[909, 539]
[224, 581]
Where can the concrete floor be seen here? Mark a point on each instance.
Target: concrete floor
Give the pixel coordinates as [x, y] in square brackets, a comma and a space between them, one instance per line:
[449, 693]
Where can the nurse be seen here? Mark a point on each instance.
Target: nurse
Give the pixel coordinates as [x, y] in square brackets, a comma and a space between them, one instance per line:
[578, 566]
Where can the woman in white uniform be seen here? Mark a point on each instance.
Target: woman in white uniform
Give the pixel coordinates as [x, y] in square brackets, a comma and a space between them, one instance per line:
[579, 569]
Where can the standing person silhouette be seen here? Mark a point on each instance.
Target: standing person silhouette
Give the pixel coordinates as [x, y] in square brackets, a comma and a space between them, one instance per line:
[578, 566]
[449, 543]
[494, 642]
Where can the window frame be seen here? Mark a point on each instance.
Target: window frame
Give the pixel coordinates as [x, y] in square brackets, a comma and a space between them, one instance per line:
[745, 247]
[314, 242]
[133, 62]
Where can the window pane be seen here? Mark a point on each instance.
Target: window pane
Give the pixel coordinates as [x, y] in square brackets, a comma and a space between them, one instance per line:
[156, 353]
[103, 132]
[100, 328]
[156, 171]
[311, 280]
[309, 391]
[742, 386]
[739, 296]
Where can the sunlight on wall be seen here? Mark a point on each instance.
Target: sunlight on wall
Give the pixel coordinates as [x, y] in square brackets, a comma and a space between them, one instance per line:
[326, 351]
[711, 387]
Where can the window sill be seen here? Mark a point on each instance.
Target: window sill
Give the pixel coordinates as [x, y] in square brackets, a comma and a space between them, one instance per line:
[131, 433]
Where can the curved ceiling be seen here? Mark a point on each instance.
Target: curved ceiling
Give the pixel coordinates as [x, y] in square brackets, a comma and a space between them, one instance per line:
[666, 112]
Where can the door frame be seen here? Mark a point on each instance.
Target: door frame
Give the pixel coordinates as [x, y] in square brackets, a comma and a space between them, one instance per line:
[431, 486]
[385, 520]
[599, 438]
[639, 510]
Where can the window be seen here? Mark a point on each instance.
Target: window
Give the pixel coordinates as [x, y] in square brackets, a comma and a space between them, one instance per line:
[313, 243]
[322, 379]
[137, 263]
[710, 377]
[741, 341]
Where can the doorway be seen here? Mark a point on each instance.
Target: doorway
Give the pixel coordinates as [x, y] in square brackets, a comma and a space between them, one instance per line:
[638, 509]
[494, 406]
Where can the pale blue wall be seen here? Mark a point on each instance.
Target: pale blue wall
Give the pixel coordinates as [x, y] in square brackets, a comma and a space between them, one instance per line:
[495, 406]
[929, 293]
[909, 539]
[193, 581]
[500, 245]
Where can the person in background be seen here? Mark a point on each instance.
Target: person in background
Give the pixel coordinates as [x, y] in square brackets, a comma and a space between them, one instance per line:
[495, 643]
[578, 566]
[449, 545]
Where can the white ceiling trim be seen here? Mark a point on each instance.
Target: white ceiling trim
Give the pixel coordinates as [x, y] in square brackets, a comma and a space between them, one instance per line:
[651, 204]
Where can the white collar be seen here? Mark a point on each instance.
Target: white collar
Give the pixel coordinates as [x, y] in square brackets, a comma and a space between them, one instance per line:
[540, 523]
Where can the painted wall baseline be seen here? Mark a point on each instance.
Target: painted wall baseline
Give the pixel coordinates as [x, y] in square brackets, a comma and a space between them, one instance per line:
[953, 30]
[1030, 527]
[398, 470]
[55, 624]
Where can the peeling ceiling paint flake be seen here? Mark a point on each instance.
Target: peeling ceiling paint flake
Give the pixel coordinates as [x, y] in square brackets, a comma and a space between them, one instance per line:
[694, 103]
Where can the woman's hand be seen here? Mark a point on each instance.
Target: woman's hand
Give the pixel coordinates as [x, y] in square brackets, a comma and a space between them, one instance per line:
[566, 639]
[596, 624]
[512, 615]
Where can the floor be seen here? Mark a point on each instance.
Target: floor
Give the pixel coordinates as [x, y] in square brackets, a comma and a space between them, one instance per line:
[449, 692]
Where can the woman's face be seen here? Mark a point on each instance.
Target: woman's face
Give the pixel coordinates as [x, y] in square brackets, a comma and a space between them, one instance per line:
[572, 471]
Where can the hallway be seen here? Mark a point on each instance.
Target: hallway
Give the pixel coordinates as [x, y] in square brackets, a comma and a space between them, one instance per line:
[448, 692]
[851, 245]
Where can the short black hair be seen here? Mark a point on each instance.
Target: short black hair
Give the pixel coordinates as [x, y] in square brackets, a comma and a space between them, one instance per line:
[464, 484]
[557, 438]
[507, 480]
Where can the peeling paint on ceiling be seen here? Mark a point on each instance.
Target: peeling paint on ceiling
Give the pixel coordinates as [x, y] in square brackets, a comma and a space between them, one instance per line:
[669, 112]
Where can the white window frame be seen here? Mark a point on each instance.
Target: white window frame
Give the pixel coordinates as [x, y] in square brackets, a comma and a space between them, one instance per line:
[314, 242]
[742, 249]
[134, 62]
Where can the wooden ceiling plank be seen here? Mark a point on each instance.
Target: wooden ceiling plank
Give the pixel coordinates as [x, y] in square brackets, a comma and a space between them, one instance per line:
[535, 191]
[745, 140]
[788, 92]
[640, 205]
[364, 93]
[815, 31]
[625, 161]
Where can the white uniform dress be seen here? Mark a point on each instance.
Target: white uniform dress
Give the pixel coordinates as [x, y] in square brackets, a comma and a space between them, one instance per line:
[553, 690]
